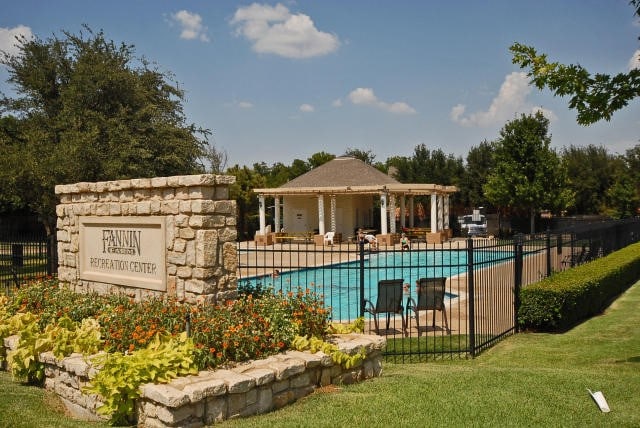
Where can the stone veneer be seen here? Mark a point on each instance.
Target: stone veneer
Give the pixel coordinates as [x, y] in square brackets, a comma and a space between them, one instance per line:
[251, 388]
[200, 229]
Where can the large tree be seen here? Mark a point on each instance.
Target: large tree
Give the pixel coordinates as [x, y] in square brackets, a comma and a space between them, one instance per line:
[528, 175]
[590, 173]
[87, 109]
[480, 161]
[594, 96]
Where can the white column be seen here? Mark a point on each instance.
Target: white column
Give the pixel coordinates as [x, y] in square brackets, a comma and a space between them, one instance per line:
[276, 203]
[383, 213]
[440, 213]
[411, 211]
[446, 211]
[403, 212]
[333, 213]
[392, 213]
[321, 214]
[434, 213]
[262, 214]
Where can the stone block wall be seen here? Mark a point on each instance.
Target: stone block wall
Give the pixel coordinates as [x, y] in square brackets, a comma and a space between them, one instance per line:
[200, 229]
[251, 388]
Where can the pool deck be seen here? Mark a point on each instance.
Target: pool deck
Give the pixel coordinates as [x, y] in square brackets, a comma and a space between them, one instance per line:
[496, 281]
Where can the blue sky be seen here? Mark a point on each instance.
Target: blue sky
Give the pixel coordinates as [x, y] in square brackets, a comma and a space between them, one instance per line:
[279, 81]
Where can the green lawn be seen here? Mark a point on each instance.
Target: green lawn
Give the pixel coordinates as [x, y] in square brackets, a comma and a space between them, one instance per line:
[526, 380]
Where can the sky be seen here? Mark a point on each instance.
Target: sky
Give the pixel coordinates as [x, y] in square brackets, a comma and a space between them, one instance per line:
[278, 81]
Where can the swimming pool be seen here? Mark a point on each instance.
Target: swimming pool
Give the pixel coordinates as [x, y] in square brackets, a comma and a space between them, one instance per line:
[339, 283]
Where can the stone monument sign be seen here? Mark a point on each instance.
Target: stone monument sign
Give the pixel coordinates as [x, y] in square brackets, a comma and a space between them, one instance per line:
[158, 236]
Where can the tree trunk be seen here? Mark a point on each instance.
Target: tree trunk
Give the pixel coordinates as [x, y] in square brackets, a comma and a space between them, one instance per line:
[533, 220]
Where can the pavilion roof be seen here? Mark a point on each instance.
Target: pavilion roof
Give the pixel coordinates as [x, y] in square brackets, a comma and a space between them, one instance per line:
[351, 175]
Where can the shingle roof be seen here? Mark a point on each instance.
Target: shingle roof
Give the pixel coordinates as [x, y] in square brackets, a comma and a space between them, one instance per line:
[341, 171]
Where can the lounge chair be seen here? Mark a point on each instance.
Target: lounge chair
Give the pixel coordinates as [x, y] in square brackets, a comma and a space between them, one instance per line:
[389, 302]
[430, 298]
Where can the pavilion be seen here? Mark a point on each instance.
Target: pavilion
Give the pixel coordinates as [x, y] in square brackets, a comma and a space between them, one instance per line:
[345, 188]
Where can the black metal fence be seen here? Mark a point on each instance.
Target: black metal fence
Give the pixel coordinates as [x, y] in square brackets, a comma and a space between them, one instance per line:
[24, 257]
[482, 279]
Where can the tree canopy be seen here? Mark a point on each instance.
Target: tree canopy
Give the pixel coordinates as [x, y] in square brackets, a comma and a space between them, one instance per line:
[595, 96]
[87, 109]
[527, 174]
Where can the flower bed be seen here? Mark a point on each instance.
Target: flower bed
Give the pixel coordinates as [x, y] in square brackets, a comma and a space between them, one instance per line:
[131, 361]
[254, 387]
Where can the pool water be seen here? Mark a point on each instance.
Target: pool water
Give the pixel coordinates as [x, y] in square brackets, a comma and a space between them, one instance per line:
[339, 284]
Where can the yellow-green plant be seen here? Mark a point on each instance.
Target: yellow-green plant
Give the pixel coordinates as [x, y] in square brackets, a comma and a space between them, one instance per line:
[314, 344]
[10, 325]
[356, 326]
[23, 361]
[120, 376]
[62, 338]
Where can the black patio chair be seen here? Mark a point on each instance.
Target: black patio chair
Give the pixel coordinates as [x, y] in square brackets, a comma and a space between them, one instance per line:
[431, 293]
[389, 302]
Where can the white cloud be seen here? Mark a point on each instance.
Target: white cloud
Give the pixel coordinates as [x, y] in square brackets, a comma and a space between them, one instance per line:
[8, 38]
[337, 102]
[634, 61]
[307, 108]
[191, 25]
[274, 30]
[549, 114]
[244, 104]
[510, 100]
[366, 97]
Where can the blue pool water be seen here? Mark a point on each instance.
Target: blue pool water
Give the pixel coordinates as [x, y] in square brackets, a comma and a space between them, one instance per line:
[339, 284]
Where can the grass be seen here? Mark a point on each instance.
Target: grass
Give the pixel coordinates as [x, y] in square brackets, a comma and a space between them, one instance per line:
[23, 406]
[526, 380]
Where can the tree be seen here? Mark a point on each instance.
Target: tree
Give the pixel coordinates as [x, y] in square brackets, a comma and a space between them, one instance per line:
[320, 158]
[426, 166]
[366, 156]
[590, 174]
[595, 97]
[247, 179]
[86, 109]
[528, 174]
[216, 158]
[480, 162]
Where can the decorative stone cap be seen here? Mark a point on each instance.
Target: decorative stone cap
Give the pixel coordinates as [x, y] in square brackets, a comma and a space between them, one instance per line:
[145, 183]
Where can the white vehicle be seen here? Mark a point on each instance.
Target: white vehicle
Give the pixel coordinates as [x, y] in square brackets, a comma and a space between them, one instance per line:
[474, 224]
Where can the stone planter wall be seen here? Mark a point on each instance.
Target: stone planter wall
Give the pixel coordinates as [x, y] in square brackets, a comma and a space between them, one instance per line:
[200, 232]
[251, 388]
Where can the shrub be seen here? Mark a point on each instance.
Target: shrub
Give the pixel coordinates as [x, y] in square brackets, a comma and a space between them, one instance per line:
[566, 298]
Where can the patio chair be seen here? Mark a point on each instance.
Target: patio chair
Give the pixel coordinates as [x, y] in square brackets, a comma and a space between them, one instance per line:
[328, 238]
[389, 302]
[430, 298]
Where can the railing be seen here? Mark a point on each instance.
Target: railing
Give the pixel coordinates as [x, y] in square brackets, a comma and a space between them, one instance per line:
[25, 257]
[483, 281]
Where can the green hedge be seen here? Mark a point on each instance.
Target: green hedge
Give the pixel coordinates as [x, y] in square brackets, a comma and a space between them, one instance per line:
[566, 298]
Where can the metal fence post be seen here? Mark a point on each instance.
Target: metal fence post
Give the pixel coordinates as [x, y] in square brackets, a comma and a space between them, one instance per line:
[361, 251]
[470, 291]
[548, 244]
[517, 276]
[52, 255]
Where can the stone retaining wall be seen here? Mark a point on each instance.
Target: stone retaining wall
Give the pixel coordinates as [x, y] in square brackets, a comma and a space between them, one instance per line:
[211, 396]
[200, 232]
